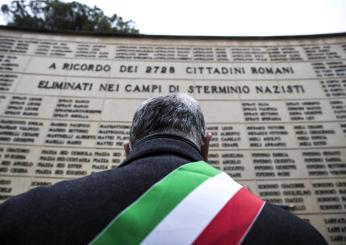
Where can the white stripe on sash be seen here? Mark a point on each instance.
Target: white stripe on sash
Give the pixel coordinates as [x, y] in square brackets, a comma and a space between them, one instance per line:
[191, 216]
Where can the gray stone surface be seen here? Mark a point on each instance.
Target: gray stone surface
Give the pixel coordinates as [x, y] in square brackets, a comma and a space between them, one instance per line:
[276, 108]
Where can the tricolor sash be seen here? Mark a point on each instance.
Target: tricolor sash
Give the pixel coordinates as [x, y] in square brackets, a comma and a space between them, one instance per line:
[195, 203]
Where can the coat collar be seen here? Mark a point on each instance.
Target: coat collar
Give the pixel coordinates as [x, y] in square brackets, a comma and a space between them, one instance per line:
[164, 144]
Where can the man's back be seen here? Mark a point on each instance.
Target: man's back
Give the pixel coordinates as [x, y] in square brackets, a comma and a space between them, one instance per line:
[74, 212]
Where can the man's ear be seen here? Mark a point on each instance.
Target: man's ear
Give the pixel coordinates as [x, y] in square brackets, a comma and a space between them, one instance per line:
[127, 148]
[205, 146]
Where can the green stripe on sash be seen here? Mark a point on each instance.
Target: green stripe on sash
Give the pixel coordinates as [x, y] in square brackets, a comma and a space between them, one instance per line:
[133, 224]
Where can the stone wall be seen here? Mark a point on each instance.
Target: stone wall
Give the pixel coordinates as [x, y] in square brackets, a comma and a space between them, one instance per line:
[276, 108]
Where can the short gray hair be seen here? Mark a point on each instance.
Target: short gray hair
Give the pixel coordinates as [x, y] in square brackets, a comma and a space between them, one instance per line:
[177, 114]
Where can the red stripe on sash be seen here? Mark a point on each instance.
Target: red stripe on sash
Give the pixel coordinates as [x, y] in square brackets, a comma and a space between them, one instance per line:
[234, 220]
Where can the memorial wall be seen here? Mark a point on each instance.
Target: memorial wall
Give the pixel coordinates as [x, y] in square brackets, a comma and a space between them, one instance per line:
[276, 108]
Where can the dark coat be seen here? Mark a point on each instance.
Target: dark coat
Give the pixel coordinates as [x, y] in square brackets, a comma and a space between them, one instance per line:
[75, 211]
